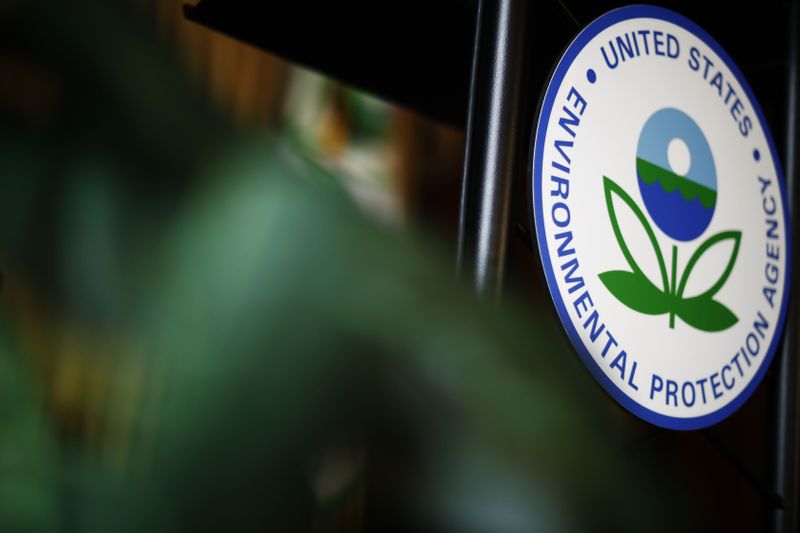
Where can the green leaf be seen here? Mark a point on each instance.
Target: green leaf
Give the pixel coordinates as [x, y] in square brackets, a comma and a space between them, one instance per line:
[705, 314]
[611, 188]
[736, 236]
[636, 291]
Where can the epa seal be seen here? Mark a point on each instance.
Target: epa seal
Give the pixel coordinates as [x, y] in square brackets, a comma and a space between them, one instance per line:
[660, 213]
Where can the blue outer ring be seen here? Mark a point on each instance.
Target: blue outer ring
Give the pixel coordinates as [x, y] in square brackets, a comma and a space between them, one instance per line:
[575, 47]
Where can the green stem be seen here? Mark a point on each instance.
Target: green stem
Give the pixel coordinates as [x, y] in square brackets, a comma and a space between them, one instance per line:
[673, 286]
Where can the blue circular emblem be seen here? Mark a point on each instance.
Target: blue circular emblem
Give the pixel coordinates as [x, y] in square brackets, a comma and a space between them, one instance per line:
[661, 219]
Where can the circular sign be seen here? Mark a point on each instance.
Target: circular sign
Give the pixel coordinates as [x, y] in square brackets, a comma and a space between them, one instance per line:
[659, 208]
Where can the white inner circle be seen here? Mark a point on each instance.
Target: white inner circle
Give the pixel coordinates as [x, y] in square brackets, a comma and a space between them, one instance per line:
[678, 156]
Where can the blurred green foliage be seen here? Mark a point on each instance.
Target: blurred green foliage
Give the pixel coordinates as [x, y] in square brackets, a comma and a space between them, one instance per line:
[267, 320]
[29, 499]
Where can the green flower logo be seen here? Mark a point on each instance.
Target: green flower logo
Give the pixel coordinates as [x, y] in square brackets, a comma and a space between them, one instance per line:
[678, 184]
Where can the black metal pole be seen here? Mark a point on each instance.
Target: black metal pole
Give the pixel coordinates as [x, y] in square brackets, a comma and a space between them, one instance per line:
[784, 520]
[493, 142]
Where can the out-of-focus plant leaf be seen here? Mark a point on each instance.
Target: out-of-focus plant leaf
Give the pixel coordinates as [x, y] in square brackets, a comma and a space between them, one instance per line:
[29, 490]
[270, 318]
[283, 317]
